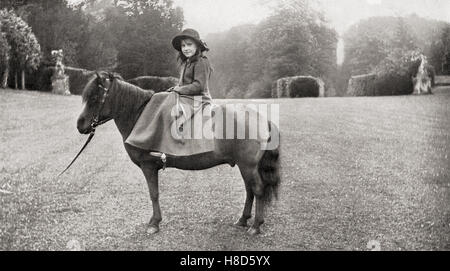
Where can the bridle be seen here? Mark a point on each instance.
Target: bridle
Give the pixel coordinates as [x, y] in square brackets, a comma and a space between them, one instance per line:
[96, 120]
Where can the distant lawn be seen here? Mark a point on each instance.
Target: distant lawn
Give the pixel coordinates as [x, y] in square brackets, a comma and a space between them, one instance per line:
[354, 170]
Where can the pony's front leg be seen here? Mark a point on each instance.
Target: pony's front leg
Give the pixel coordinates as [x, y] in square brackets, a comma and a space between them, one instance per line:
[151, 175]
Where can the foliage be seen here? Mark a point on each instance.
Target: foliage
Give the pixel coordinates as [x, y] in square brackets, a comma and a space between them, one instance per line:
[143, 31]
[392, 76]
[294, 40]
[230, 60]
[370, 41]
[440, 52]
[395, 72]
[131, 37]
[4, 51]
[25, 51]
[56, 26]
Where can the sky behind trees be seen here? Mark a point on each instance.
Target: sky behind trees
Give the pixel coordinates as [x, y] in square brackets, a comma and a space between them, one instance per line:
[210, 16]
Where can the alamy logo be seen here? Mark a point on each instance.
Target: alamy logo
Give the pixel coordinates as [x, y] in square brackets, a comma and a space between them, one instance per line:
[228, 122]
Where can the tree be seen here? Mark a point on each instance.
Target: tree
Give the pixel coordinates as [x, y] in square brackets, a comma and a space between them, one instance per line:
[25, 52]
[440, 52]
[58, 26]
[370, 41]
[363, 53]
[403, 38]
[143, 31]
[4, 58]
[230, 58]
[295, 40]
[98, 52]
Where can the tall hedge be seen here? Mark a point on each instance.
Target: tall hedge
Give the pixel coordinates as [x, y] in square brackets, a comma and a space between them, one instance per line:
[395, 72]
[393, 76]
[298, 87]
[362, 85]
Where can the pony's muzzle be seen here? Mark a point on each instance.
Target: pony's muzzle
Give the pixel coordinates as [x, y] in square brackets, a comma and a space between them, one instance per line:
[83, 126]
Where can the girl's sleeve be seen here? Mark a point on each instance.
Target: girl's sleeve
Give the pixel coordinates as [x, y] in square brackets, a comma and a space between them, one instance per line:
[200, 79]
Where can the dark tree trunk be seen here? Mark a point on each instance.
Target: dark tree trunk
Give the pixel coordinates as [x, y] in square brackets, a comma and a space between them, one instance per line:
[15, 81]
[23, 79]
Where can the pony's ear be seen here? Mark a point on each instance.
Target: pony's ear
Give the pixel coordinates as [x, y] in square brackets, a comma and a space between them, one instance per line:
[100, 79]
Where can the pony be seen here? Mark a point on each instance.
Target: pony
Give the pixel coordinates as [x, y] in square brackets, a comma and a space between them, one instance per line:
[109, 97]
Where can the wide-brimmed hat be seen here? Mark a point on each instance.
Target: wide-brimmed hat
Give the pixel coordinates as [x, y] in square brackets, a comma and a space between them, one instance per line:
[191, 34]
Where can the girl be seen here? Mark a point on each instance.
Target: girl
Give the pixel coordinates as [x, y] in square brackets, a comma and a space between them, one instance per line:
[195, 67]
[162, 130]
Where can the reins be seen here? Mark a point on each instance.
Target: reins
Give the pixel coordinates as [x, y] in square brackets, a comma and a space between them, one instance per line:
[95, 122]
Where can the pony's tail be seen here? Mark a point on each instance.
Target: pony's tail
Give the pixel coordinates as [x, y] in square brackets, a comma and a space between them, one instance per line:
[269, 168]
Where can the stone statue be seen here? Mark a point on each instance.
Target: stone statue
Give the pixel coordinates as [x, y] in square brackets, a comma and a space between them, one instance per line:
[60, 81]
[422, 81]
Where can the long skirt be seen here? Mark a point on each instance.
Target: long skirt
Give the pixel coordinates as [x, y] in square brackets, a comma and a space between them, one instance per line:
[174, 124]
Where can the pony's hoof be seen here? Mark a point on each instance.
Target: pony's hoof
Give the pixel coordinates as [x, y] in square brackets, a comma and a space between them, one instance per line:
[152, 230]
[241, 223]
[253, 232]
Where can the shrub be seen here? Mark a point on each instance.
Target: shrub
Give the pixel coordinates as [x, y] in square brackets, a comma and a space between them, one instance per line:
[40, 79]
[395, 73]
[4, 52]
[393, 76]
[298, 87]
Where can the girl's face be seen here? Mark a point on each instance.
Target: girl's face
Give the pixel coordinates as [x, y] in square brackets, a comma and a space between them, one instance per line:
[188, 47]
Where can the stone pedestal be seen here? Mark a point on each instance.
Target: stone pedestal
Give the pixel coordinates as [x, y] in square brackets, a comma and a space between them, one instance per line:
[60, 85]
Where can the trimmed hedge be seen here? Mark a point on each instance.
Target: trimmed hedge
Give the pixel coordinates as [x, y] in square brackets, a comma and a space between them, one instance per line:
[393, 76]
[379, 85]
[299, 87]
[304, 87]
[41, 79]
[155, 83]
[362, 85]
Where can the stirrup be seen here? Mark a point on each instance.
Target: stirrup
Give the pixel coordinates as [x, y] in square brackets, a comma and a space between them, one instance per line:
[161, 156]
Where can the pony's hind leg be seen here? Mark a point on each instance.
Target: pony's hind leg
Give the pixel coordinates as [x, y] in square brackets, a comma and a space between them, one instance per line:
[247, 213]
[151, 175]
[256, 187]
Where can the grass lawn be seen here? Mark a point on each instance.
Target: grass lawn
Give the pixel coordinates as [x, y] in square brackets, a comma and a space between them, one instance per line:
[354, 170]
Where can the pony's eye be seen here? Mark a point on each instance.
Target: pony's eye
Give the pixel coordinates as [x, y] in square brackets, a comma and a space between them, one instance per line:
[93, 99]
